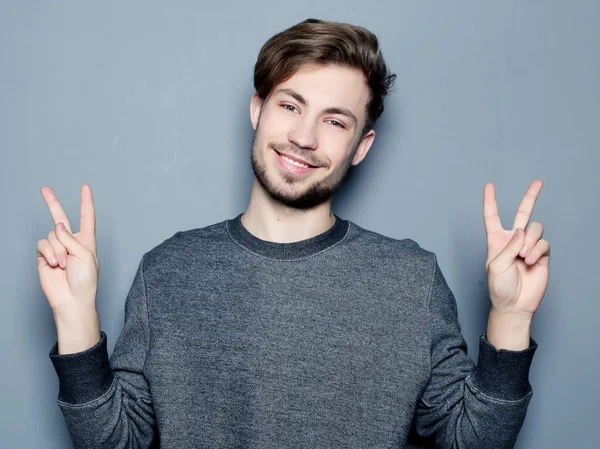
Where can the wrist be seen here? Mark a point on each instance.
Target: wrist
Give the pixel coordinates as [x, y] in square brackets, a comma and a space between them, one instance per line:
[509, 330]
[77, 331]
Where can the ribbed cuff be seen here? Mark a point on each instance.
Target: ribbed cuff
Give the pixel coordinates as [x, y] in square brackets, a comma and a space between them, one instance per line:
[501, 373]
[82, 376]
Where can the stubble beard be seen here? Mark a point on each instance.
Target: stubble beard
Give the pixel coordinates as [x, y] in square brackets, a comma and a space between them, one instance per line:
[315, 195]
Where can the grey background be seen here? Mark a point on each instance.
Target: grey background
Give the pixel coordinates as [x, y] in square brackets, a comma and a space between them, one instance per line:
[148, 103]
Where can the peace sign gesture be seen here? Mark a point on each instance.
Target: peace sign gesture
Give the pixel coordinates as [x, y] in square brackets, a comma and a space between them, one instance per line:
[68, 269]
[517, 259]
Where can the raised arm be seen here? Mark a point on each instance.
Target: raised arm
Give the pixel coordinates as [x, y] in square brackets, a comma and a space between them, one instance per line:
[105, 403]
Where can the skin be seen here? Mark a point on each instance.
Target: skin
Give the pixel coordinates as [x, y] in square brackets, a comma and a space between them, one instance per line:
[68, 269]
[297, 119]
[517, 267]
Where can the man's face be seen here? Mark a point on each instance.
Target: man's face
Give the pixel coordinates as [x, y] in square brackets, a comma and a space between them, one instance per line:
[315, 118]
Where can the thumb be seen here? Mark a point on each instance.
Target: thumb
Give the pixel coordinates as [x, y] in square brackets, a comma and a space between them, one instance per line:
[69, 242]
[509, 254]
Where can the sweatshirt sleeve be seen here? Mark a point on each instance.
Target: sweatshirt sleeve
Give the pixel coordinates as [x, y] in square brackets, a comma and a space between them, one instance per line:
[466, 406]
[107, 403]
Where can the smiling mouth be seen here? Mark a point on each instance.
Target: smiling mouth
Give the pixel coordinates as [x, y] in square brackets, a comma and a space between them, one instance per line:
[293, 167]
[293, 162]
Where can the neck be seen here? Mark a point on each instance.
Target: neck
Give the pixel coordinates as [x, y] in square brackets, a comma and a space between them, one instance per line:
[272, 221]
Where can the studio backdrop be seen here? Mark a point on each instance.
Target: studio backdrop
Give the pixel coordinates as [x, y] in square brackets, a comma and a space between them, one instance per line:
[148, 103]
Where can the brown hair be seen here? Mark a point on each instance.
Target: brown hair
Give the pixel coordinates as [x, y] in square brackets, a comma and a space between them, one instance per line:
[316, 41]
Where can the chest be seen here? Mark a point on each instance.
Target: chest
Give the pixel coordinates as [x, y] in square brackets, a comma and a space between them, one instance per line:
[279, 349]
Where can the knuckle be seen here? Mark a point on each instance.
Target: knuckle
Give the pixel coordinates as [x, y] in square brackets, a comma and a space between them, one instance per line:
[87, 254]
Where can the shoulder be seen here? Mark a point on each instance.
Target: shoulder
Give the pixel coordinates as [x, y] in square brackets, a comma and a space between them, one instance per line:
[185, 244]
[384, 248]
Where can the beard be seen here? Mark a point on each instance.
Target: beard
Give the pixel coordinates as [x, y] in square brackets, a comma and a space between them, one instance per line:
[314, 195]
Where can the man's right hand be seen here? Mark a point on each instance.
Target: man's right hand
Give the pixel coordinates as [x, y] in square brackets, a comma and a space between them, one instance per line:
[68, 269]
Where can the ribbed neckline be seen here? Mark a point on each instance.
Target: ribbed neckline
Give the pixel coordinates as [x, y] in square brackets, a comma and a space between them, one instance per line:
[287, 251]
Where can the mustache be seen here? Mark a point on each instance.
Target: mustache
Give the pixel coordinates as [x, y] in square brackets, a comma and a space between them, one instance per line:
[294, 150]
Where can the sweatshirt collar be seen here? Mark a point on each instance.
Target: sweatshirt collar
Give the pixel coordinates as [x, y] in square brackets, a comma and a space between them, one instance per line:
[287, 251]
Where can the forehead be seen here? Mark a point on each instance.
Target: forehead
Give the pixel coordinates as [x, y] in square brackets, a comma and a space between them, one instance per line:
[325, 86]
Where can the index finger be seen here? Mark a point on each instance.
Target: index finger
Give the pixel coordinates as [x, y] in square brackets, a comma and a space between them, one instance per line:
[525, 209]
[87, 221]
[491, 219]
[56, 210]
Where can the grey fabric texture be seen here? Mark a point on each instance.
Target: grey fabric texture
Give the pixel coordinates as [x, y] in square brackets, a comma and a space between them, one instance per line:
[348, 339]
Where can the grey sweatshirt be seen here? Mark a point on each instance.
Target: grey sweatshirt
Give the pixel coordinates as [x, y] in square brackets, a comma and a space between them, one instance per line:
[345, 340]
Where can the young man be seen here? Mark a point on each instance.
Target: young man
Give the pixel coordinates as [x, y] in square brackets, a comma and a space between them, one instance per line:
[288, 326]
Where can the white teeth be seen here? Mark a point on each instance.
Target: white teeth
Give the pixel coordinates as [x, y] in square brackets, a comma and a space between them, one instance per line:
[297, 164]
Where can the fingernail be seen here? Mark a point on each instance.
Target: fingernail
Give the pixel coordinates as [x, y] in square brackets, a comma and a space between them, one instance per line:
[63, 263]
[524, 251]
[53, 260]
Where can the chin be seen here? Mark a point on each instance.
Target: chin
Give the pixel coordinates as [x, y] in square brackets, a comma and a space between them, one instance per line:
[298, 192]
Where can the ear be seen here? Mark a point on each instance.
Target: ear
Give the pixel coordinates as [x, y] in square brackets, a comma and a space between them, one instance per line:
[255, 106]
[363, 147]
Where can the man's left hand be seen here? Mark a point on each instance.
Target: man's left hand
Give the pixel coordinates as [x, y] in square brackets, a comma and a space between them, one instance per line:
[517, 259]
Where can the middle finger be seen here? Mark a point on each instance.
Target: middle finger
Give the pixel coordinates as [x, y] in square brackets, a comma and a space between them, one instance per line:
[525, 209]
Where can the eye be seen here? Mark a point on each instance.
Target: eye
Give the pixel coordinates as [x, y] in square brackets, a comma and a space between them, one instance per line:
[289, 107]
[336, 123]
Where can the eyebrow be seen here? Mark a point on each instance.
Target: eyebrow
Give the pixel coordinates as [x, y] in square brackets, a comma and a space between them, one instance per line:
[332, 110]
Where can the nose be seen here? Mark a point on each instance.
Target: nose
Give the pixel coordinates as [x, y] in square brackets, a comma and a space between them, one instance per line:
[304, 135]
